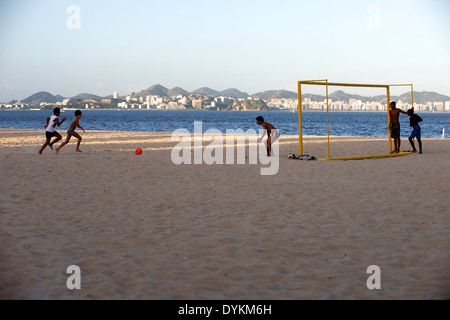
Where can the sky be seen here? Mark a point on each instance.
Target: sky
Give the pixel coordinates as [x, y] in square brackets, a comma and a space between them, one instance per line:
[98, 46]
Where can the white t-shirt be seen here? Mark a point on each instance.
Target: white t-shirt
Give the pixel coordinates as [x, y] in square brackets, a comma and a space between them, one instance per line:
[52, 124]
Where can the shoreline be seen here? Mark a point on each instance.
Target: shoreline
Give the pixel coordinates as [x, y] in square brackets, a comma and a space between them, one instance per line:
[40, 131]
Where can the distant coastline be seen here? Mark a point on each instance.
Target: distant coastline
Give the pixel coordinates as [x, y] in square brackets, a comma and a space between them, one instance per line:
[157, 97]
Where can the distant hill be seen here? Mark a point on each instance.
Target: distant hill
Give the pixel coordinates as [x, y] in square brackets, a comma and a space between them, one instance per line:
[85, 96]
[342, 96]
[177, 91]
[276, 94]
[233, 93]
[381, 98]
[313, 97]
[424, 97]
[248, 105]
[206, 91]
[41, 97]
[156, 90]
[419, 97]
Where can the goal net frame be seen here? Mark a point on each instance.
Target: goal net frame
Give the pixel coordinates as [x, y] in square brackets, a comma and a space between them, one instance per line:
[355, 85]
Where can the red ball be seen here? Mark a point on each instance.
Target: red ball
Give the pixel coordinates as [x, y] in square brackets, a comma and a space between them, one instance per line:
[138, 151]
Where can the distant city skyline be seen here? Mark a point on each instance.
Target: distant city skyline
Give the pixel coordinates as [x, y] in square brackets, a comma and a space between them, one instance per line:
[164, 91]
[69, 47]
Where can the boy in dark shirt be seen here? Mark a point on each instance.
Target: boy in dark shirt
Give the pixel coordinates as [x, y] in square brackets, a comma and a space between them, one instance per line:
[414, 120]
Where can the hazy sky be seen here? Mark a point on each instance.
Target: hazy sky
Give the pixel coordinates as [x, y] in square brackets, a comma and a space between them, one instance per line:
[252, 45]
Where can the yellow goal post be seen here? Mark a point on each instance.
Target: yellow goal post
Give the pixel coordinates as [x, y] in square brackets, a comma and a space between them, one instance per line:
[355, 85]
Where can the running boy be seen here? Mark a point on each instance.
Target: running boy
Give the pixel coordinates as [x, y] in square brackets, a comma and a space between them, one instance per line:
[414, 120]
[71, 132]
[395, 126]
[272, 134]
[50, 132]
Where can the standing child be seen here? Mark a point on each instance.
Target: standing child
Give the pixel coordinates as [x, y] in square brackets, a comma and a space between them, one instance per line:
[71, 132]
[414, 120]
[395, 125]
[50, 132]
[272, 134]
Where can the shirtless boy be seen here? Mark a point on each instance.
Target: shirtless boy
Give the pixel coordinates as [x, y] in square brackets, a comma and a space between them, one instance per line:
[395, 125]
[272, 134]
[71, 132]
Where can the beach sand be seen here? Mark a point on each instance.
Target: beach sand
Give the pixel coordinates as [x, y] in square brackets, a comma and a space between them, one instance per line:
[140, 227]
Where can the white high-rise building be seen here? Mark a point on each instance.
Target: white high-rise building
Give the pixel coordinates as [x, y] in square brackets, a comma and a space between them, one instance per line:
[447, 106]
[116, 95]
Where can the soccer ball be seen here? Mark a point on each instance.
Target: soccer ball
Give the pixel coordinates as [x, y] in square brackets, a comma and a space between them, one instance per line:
[138, 151]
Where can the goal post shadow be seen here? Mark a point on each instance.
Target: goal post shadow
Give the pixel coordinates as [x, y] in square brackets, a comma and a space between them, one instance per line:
[355, 85]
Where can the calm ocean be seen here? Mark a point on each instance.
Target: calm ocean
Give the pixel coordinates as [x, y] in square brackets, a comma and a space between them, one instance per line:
[359, 124]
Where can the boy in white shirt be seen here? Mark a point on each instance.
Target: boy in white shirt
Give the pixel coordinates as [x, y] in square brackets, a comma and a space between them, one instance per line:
[52, 123]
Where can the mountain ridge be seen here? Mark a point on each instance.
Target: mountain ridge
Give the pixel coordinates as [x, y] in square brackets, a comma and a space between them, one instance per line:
[42, 96]
[206, 91]
[419, 97]
[85, 96]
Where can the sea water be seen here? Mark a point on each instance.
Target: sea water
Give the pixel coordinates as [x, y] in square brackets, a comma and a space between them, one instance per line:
[356, 124]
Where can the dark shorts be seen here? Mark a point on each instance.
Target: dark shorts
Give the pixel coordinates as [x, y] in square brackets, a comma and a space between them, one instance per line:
[395, 130]
[416, 133]
[50, 135]
[70, 131]
[275, 135]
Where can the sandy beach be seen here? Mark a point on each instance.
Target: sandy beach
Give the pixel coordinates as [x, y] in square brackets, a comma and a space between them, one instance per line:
[141, 227]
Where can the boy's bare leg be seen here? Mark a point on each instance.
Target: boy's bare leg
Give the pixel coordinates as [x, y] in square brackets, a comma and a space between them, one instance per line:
[273, 140]
[44, 146]
[58, 138]
[269, 146]
[412, 144]
[397, 146]
[64, 143]
[420, 145]
[76, 135]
